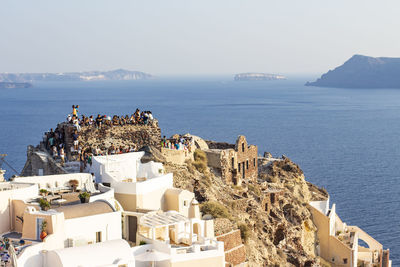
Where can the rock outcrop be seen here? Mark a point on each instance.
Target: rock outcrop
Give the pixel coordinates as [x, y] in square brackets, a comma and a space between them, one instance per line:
[362, 72]
[282, 234]
[39, 162]
[269, 213]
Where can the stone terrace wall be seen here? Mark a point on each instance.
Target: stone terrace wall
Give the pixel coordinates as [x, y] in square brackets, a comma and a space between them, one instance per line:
[127, 135]
[235, 252]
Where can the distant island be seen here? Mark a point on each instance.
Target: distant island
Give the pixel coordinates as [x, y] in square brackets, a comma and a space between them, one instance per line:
[119, 74]
[252, 76]
[362, 72]
[12, 85]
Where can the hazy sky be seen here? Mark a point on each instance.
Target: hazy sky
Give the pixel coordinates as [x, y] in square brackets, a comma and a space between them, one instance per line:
[194, 37]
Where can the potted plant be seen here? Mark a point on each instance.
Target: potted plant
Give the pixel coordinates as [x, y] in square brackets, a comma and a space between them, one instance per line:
[44, 204]
[84, 197]
[43, 232]
[43, 192]
[74, 184]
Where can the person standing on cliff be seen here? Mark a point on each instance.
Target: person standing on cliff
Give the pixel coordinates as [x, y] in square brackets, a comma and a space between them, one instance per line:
[99, 121]
[75, 139]
[62, 156]
[75, 110]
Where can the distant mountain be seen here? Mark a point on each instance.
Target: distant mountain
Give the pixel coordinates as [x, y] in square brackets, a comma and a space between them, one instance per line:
[119, 74]
[362, 72]
[253, 76]
[11, 85]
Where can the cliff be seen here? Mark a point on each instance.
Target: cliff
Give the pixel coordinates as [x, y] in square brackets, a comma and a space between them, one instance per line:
[252, 76]
[362, 72]
[119, 74]
[272, 214]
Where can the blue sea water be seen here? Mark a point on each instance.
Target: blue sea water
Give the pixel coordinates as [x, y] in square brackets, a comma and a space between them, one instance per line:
[346, 140]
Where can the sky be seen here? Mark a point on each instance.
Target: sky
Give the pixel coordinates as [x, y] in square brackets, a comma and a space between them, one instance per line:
[187, 37]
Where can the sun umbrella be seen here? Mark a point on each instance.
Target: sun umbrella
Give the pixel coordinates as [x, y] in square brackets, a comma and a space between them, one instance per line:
[152, 256]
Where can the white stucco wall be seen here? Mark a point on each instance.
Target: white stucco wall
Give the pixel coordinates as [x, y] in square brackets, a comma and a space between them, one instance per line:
[322, 206]
[20, 191]
[31, 256]
[85, 228]
[56, 180]
[150, 170]
[110, 253]
[148, 186]
[332, 220]
[177, 256]
[120, 167]
[107, 194]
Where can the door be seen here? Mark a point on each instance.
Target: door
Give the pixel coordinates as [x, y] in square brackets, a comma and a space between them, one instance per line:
[39, 222]
[132, 220]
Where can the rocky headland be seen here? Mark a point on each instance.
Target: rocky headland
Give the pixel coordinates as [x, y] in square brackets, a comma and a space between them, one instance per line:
[362, 72]
[114, 75]
[270, 216]
[252, 76]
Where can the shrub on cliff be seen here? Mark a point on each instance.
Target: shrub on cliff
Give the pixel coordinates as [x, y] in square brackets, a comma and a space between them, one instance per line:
[200, 161]
[244, 231]
[255, 189]
[215, 209]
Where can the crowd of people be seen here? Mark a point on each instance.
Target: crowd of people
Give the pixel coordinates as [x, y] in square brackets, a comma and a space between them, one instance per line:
[178, 143]
[54, 143]
[54, 140]
[137, 118]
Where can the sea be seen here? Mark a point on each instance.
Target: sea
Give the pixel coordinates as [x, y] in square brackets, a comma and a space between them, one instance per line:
[345, 140]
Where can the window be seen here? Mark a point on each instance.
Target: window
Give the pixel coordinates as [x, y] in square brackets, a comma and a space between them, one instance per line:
[247, 164]
[233, 162]
[239, 167]
[98, 237]
[254, 162]
[272, 198]
[242, 147]
[345, 260]
[185, 203]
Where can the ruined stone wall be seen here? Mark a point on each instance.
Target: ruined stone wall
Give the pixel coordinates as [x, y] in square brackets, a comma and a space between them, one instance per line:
[228, 166]
[234, 164]
[176, 156]
[235, 252]
[247, 158]
[219, 145]
[270, 199]
[213, 158]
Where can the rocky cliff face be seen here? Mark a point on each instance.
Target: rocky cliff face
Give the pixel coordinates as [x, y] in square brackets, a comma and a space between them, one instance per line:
[272, 213]
[362, 72]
